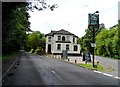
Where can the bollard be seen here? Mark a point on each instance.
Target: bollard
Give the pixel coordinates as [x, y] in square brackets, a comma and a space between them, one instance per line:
[68, 59]
[86, 61]
[75, 61]
[97, 62]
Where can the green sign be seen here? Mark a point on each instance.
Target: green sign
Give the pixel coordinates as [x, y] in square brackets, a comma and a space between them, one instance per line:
[93, 19]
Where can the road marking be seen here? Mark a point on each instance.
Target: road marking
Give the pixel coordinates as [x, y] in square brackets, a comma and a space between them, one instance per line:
[97, 71]
[106, 74]
[57, 75]
[117, 77]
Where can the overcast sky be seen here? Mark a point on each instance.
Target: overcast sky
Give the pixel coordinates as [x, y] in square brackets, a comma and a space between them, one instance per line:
[72, 15]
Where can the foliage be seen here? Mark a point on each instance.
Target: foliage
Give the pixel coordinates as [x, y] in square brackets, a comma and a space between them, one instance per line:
[36, 40]
[41, 5]
[8, 56]
[90, 66]
[107, 41]
[15, 24]
[32, 51]
[86, 40]
[39, 51]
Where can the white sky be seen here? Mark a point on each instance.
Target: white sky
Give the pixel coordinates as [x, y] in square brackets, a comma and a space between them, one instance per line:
[72, 15]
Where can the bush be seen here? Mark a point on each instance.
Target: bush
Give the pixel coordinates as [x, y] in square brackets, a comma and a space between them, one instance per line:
[32, 51]
[38, 50]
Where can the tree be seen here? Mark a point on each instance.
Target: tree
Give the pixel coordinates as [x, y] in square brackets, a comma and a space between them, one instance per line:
[15, 24]
[41, 5]
[36, 40]
[107, 43]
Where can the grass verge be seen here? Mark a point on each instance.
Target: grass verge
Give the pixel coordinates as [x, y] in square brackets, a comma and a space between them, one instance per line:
[90, 66]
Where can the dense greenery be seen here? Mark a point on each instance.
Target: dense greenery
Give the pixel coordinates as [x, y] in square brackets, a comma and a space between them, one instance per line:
[107, 43]
[36, 42]
[14, 26]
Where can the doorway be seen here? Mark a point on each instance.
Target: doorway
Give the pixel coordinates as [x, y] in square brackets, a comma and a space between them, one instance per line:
[49, 48]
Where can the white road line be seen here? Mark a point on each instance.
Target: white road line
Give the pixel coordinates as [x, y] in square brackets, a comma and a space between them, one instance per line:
[97, 71]
[117, 77]
[57, 75]
[107, 74]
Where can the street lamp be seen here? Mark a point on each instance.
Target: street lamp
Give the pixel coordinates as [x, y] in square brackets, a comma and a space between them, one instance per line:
[93, 23]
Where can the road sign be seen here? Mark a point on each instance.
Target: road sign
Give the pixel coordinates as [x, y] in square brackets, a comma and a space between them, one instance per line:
[86, 56]
[93, 44]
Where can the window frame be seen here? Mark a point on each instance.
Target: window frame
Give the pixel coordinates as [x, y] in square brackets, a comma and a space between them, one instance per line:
[49, 39]
[63, 37]
[58, 46]
[67, 47]
[59, 38]
[68, 38]
[75, 48]
[73, 39]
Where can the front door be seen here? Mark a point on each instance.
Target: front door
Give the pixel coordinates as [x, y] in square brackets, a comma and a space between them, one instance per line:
[49, 48]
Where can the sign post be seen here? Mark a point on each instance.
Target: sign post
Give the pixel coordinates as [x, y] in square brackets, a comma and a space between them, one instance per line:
[93, 22]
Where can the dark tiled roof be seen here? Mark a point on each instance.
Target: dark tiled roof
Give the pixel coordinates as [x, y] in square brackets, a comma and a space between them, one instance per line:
[62, 31]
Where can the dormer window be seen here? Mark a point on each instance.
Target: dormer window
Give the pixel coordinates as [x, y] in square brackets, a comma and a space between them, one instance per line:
[63, 38]
[59, 38]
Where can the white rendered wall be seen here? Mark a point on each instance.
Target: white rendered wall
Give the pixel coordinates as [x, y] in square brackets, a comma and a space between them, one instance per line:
[63, 45]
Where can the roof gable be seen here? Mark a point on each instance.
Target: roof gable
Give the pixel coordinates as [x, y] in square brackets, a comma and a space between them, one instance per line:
[62, 31]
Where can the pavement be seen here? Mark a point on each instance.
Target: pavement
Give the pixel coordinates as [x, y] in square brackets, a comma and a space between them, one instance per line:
[41, 70]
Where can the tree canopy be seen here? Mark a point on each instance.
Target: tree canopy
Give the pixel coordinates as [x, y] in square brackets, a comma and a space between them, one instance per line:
[36, 40]
[15, 24]
[107, 41]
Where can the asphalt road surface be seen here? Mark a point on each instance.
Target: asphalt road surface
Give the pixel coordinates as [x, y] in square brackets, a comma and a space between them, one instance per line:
[39, 70]
[110, 64]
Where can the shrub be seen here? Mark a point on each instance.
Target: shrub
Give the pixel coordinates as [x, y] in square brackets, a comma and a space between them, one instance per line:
[38, 50]
[32, 51]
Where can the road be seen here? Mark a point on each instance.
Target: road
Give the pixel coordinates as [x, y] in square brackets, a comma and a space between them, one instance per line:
[40, 70]
[110, 64]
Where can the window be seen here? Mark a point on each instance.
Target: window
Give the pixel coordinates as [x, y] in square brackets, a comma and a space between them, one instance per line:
[59, 38]
[75, 48]
[49, 39]
[63, 38]
[58, 46]
[68, 38]
[67, 46]
[73, 40]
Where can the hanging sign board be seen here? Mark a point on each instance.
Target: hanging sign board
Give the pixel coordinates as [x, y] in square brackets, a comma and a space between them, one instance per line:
[93, 19]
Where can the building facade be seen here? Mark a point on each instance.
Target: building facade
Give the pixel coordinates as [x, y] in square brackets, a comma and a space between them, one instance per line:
[57, 41]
